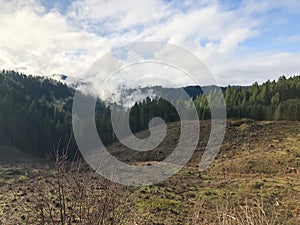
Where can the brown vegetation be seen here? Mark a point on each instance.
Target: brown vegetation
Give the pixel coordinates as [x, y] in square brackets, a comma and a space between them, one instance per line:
[254, 180]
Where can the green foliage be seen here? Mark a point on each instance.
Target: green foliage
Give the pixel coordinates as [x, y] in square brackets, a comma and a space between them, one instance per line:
[35, 112]
[269, 101]
[142, 112]
[32, 116]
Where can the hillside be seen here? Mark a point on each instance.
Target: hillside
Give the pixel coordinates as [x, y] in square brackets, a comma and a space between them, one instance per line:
[255, 176]
[36, 112]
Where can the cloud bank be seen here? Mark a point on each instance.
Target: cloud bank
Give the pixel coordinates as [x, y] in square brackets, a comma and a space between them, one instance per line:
[240, 41]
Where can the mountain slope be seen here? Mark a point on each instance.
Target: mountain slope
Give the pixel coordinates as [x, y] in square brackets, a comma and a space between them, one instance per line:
[256, 176]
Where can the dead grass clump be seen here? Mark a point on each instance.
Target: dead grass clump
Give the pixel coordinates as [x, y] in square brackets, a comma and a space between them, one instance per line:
[73, 194]
[229, 212]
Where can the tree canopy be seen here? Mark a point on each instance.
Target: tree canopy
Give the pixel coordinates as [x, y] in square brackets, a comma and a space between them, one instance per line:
[35, 112]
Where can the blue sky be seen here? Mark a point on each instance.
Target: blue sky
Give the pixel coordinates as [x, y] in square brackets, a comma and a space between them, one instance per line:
[62, 6]
[240, 41]
[279, 32]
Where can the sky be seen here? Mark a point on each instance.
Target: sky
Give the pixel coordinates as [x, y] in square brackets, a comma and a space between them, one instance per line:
[240, 41]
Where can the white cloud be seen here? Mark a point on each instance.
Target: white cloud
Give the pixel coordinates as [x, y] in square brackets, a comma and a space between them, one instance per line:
[222, 30]
[14, 5]
[42, 41]
[115, 15]
[252, 68]
[45, 43]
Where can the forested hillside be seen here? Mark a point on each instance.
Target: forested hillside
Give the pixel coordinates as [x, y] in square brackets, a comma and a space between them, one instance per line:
[35, 112]
[270, 101]
[276, 100]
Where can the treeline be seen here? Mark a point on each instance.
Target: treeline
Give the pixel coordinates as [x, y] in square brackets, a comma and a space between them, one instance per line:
[270, 101]
[35, 112]
[142, 112]
[276, 100]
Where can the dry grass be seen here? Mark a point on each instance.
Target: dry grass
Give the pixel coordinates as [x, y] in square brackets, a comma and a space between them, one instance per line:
[254, 180]
[252, 212]
[71, 194]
